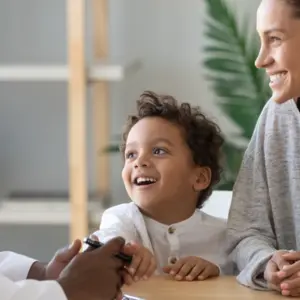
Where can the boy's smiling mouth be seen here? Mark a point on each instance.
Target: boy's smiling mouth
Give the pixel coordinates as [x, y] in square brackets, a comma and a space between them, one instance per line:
[142, 181]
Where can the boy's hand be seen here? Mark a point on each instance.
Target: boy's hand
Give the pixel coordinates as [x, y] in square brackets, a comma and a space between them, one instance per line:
[127, 278]
[143, 263]
[192, 268]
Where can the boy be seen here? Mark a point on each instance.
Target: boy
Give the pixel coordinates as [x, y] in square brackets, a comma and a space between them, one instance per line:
[171, 162]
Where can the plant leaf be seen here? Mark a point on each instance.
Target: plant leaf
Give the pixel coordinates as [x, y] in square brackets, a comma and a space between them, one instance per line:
[227, 65]
[111, 149]
[241, 88]
[219, 49]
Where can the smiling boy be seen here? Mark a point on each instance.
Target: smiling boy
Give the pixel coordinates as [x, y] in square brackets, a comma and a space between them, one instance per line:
[171, 163]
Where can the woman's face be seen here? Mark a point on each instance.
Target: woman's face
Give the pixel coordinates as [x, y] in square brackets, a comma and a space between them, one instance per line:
[279, 55]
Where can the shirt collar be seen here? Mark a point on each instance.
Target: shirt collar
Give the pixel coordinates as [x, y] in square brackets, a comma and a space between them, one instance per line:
[183, 226]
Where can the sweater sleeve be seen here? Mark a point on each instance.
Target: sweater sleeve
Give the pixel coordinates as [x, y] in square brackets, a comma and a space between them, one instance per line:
[251, 238]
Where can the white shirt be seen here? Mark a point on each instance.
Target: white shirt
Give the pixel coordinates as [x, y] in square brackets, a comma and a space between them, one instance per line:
[14, 286]
[201, 235]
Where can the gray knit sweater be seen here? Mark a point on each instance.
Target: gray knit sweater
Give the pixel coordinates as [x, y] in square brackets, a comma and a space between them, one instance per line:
[265, 211]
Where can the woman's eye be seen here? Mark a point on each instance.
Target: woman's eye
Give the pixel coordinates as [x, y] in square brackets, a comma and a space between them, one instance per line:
[274, 39]
[159, 151]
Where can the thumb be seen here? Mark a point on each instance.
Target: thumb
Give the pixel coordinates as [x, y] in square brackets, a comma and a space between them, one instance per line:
[113, 246]
[291, 256]
[131, 248]
[279, 260]
[67, 254]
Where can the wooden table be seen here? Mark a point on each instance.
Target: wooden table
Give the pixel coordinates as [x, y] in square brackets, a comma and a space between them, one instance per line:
[164, 288]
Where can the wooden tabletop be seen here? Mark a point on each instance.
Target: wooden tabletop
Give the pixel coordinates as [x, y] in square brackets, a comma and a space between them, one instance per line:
[226, 287]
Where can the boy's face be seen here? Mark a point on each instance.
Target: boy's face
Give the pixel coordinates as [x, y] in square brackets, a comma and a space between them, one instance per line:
[159, 172]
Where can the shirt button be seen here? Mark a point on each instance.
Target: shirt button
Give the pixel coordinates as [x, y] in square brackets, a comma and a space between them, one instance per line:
[171, 230]
[173, 260]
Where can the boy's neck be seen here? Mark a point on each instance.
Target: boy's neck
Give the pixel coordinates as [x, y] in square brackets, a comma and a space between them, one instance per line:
[169, 216]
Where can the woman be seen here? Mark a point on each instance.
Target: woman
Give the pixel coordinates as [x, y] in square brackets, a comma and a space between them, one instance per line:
[264, 219]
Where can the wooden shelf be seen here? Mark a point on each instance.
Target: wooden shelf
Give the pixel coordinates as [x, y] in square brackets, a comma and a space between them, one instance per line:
[105, 71]
[77, 73]
[44, 212]
[113, 71]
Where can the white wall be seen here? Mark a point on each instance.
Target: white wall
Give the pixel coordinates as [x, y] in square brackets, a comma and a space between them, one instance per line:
[166, 35]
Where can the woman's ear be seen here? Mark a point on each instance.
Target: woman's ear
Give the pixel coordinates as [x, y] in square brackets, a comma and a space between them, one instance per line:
[203, 179]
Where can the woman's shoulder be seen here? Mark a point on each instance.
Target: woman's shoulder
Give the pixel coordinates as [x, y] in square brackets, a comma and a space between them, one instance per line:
[272, 110]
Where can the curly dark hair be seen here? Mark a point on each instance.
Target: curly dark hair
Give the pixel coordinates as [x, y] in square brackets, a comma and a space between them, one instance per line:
[295, 5]
[202, 135]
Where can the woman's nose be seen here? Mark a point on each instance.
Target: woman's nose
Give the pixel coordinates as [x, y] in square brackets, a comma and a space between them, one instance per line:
[264, 59]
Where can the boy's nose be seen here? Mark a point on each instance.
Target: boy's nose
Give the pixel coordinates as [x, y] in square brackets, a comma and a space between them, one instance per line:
[142, 162]
[141, 165]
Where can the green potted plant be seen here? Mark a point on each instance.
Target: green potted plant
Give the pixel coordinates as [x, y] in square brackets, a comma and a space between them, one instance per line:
[240, 88]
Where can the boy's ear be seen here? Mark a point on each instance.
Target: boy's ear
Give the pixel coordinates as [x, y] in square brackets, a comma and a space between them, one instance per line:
[203, 179]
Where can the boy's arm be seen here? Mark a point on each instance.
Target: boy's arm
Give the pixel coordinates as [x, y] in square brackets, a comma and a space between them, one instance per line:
[115, 222]
[251, 238]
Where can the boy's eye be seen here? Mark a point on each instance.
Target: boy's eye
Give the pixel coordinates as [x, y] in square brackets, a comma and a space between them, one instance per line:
[159, 151]
[129, 155]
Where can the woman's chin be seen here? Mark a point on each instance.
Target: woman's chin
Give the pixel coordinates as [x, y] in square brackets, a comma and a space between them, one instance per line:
[281, 97]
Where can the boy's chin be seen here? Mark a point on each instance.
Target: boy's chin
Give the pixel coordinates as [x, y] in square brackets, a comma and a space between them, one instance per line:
[146, 203]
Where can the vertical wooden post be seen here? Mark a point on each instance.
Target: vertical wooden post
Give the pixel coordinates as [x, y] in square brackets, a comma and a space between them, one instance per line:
[76, 121]
[100, 96]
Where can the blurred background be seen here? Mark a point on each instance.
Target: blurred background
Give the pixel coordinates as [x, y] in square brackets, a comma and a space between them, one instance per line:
[199, 51]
